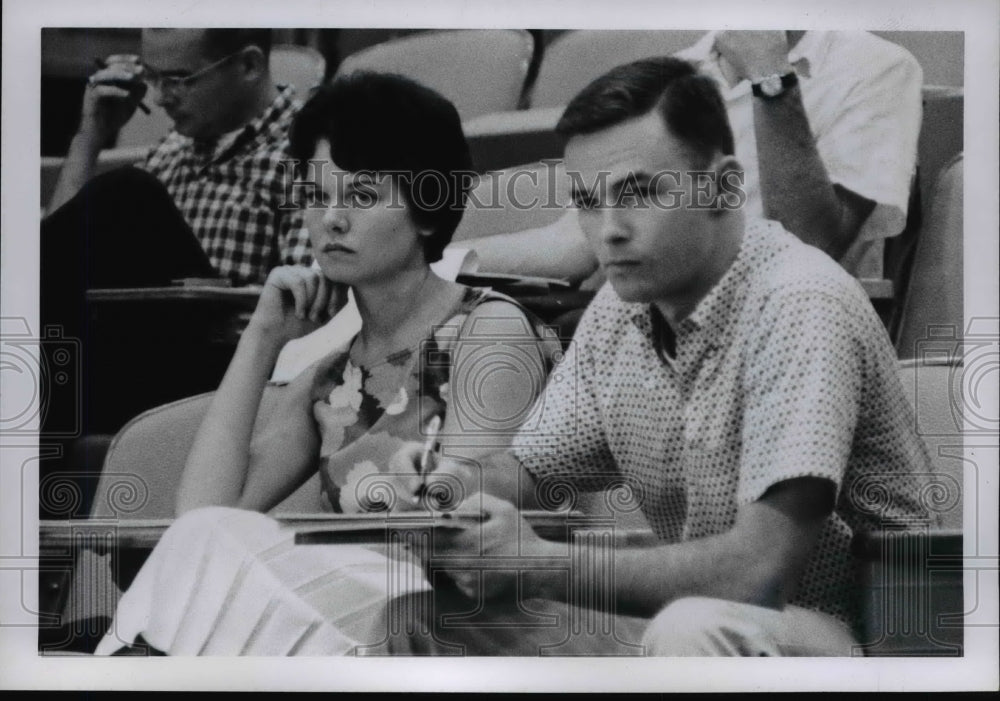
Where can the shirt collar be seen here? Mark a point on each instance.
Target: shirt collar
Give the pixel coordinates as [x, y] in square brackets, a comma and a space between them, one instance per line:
[713, 315]
[222, 146]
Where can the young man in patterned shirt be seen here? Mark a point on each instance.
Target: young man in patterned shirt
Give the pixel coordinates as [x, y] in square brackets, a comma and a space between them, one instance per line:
[734, 377]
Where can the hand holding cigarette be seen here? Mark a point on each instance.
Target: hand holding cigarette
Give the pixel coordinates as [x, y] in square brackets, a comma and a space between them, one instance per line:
[113, 93]
[122, 71]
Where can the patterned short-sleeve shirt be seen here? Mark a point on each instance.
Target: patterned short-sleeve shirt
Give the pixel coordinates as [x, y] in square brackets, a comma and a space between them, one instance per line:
[237, 193]
[783, 370]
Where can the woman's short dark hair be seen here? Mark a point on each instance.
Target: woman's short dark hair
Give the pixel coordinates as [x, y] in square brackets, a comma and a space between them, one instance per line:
[688, 101]
[386, 123]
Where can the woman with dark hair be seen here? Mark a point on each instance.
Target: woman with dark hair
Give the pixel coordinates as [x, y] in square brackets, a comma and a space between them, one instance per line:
[388, 168]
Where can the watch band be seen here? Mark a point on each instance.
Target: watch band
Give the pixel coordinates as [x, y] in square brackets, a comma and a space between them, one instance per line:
[775, 85]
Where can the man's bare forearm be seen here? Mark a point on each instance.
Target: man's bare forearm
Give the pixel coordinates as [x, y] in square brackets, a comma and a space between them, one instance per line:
[795, 187]
[645, 579]
[79, 167]
[758, 561]
[218, 463]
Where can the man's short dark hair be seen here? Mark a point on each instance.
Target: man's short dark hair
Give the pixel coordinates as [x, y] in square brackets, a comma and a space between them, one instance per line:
[223, 42]
[688, 101]
[386, 123]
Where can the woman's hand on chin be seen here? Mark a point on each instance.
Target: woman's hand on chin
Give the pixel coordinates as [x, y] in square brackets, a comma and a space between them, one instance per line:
[296, 301]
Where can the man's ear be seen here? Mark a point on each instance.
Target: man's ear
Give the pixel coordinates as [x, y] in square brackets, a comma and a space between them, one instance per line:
[253, 62]
[729, 180]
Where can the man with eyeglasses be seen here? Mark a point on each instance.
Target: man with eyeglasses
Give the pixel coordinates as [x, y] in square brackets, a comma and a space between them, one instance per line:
[211, 199]
[222, 164]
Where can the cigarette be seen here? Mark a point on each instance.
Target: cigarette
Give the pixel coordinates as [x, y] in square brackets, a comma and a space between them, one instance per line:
[101, 63]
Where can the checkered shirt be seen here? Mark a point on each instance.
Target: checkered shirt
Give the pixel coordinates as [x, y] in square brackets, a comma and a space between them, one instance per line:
[235, 193]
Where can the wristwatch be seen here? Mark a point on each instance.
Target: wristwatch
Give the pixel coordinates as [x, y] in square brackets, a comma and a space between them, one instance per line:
[774, 85]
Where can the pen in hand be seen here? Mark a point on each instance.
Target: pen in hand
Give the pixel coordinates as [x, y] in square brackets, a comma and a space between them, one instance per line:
[431, 431]
[101, 63]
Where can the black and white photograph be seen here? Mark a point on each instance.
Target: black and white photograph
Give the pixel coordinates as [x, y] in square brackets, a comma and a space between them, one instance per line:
[470, 346]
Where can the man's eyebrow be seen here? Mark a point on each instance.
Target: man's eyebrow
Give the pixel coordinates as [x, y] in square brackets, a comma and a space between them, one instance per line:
[179, 73]
[630, 180]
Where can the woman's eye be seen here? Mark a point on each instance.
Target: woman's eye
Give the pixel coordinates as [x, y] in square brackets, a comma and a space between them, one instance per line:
[362, 196]
[313, 195]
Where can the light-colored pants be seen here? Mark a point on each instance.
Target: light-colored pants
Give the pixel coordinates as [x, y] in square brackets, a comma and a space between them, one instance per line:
[704, 627]
[230, 582]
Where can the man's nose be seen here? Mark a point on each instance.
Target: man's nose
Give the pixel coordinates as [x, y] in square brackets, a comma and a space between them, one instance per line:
[162, 98]
[614, 225]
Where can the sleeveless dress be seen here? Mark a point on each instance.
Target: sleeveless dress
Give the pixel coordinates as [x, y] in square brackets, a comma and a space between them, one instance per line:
[365, 414]
[225, 581]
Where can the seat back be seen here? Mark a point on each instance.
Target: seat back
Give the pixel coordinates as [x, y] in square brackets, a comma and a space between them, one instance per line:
[911, 577]
[575, 58]
[933, 383]
[301, 66]
[940, 139]
[521, 197]
[941, 133]
[941, 55]
[143, 466]
[479, 70]
[933, 298]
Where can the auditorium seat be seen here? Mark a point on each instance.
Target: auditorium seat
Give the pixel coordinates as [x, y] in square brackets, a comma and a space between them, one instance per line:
[480, 70]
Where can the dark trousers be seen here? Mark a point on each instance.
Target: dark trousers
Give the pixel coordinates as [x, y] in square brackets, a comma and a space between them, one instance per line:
[121, 230]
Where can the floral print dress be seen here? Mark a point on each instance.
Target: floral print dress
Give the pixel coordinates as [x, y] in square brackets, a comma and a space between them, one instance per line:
[226, 581]
[367, 413]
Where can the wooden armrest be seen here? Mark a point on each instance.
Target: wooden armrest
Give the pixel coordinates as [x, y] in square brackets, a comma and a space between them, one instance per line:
[504, 280]
[947, 543]
[239, 296]
[911, 592]
[58, 537]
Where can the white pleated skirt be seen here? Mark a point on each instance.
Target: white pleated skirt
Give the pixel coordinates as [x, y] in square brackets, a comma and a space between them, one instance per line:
[225, 581]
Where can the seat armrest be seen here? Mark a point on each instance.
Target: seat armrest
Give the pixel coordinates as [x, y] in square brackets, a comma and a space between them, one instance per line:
[911, 588]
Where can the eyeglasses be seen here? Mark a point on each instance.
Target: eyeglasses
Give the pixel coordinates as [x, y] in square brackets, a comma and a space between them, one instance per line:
[178, 84]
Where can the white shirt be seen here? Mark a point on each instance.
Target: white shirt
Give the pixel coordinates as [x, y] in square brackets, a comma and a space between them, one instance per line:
[862, 96]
